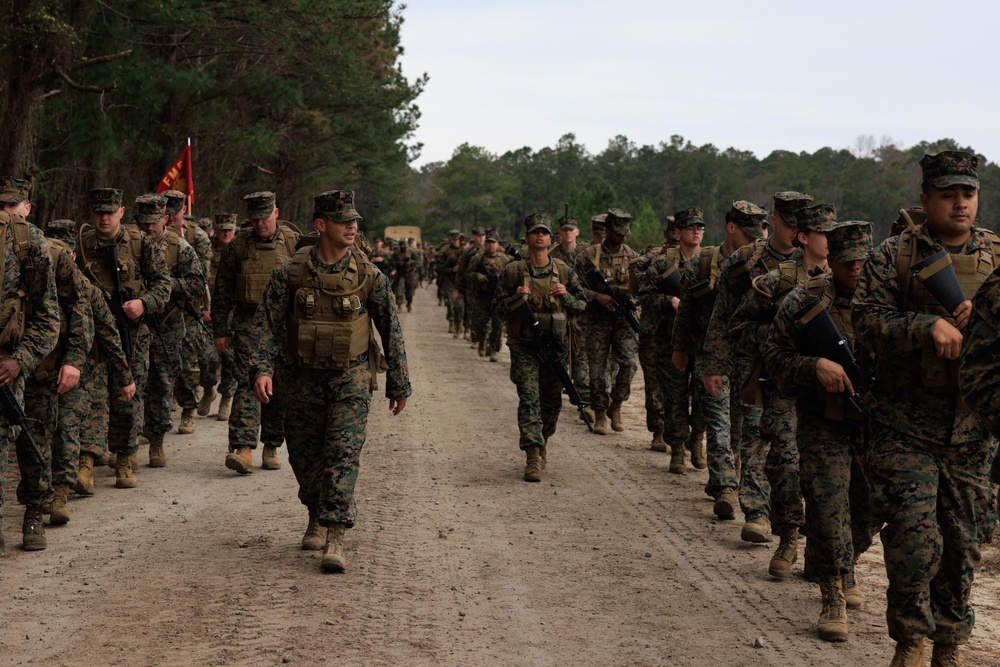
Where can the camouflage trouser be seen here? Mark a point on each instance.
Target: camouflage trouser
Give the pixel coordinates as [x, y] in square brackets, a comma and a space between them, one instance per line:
[460, 311]
[41, 406]
[610, 340]
[126, 418]
[837, 495]
[74, 410]
[410, 287]
[445, 287]
[495, 339]
[933, 499]
[677, 405]
[326, 432]
[754, 490]
[580, 366]
[196, 364]
[94, 386]
[718, 447]
[164, 367]
[649, 360]
[539, 397]
[478, 313]
[249, 418]
[777, 429]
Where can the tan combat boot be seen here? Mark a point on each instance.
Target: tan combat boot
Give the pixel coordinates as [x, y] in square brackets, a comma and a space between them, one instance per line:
[533, 465]
[677, 458]
[945, 655]
[785, 555]
[240, 460]
[615, 414]
[494, 356]
[457, 331]
[852, 592]
[451, 327]
[590, 413]
[225, 404]
[157, 457]
[696, 443]
[909, 654]
[187, 421]
[315, 537]
[756, 530]
[32, 530]
[832, 625]
[333, 551]
[658, 444]
[85, 475]
[725, 504]
[205, 404]
[468, 333]
[269, 458]
[124, 477]
[482, 348]
[600, 422]
[541, 454]
[58, 512]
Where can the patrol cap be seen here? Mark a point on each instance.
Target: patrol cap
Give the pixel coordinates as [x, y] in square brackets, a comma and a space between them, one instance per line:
[150, 209]
[599, 220]
[205, 223]
[818, 218]
[749, 217]
[260, 205]
[478, 230]
[567, 222]
[850, 240]
[175, 201]
[689, 217]
[618, 220]
[669, 222]
[14, 190]
[492, 235]
[224, 221]
[105, 200]
[788, 202]
[64, 230]
[949, 168]
[338, 205]
[537, 221]
[462, 238]
[454, 233]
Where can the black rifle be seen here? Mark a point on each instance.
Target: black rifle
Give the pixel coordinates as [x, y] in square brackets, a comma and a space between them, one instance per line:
[739, 274]
[816, 322]
[669, 282]
[702, 294]
[514, 252]
[938, 275]
[15, 415]
[599, 283]
[491, 278]
[548, 348]
[116, 300]
[157, 325]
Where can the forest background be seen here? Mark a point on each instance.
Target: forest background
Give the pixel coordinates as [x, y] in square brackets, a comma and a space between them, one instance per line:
[299, 97]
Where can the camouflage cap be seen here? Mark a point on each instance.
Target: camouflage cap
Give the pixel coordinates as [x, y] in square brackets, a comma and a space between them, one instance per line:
[818, 218]
[537, 221]
[225, 221]
[689, 217]
[462, 238]
[337, 205]
[949, 168]
[749, 217]
[619, 221]
[14, 190]
[454, 233]
[850, 240]
[260, 205]
[64, 230]
[205, 224]
[492, 235]
[105, 200]
[176, 200]
[668, 222]
[567, 222]
[150, 209]
[478, 230]
[788, 202]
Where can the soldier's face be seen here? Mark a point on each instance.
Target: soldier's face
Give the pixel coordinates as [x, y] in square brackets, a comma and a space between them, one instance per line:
[224, 236]
[22, 208]
[177, 220]
[339, 234]
[479, 240]
[266, 227]
[539, 238]
[846, 274]
[567, 234]
[154, 230]
[951, 211]
[783, 233]
[691, 236]
[491, 247]
[106, 225]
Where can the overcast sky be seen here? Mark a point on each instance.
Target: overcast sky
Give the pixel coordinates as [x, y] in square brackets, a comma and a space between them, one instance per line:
[756, 76]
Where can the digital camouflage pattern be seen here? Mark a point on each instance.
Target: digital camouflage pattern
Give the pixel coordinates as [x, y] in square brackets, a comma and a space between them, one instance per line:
[949, 168]
[487, 321]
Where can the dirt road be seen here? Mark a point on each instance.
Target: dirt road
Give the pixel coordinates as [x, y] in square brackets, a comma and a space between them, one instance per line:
[454, 561]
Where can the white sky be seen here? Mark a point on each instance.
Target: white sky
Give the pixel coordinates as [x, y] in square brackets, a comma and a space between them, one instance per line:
[753, 75]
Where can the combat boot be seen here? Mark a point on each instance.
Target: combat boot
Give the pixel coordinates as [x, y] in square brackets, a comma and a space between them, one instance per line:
[785, 555]
[909, 654]
[315, 536]
[600, 422]
[852, 592]
[482, 348]
[240, 460]
[269, 458]
[58, 512]
[590, 414]
[85, 475]
[725, 505]
[205, 404]
[333, 551]
[615, 414]
[541, 455]
[677, 458]
[832, 625]
[124, 477]
[187, 421]
[494, 356]
[756, 530]
[457, 333]
[945, 655]
[533, 465]
[658, 444]
[468, 333]
[174, 405]
[225, 404]
[451, 327]
[696, 443]
[157, 457]
[32, 530]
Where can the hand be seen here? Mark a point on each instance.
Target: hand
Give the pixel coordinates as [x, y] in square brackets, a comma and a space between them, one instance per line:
[134, 309]
[521, 289]
[206, 316]
[263, 390]
[606, 301]
[221, 344]
[558, 289]
[833, 377]
[947, 339]
[962, 314]
[713, 385]
[9, 370]
[675, 303]
[396, 405]
[69, 377]
[680, 360]
[454, 296]
[128, 392]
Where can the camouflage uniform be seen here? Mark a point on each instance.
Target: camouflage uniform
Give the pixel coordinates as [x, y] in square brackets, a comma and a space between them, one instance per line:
[465, 265]
[407, 266]
[929, 455]
[219, 370]
[579, 368]
[487, 321]
[447, 268]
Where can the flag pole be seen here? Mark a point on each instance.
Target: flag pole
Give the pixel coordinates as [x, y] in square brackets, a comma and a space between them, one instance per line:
[190, 199]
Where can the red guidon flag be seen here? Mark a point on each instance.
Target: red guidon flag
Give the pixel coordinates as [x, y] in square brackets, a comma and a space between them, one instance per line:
[178, 177]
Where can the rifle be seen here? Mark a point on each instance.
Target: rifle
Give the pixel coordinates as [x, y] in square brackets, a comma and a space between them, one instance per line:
[937, 274]
[816, 322]
[116, 300]
[669, 282]
[157, 326]
[548, 348]
[513, 252]
[15, 415]
[491, 278]
[599, 283]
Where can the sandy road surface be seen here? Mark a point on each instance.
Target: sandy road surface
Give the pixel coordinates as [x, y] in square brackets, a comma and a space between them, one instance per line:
[455, 560]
